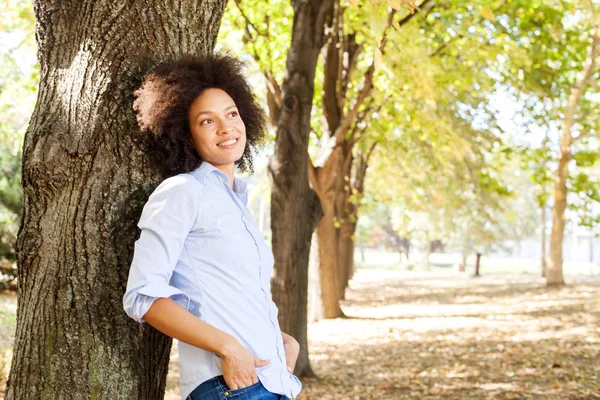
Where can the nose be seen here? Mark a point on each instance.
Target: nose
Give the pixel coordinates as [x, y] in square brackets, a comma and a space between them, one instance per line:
[225, 128]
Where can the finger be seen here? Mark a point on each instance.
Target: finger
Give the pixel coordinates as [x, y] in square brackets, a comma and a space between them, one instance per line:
[260, 363]
[244, 381]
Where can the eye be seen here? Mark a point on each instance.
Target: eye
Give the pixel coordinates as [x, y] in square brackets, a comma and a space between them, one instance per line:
[206, 121]
[233, 114]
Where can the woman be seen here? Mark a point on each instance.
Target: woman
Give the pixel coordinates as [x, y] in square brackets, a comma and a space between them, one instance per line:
[201, 269]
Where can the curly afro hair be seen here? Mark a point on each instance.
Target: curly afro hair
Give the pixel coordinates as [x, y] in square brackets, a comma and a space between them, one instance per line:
[163, 100]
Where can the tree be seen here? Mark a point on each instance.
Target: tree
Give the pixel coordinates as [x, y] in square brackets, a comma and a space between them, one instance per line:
[347, 106]
[554, 272]
[555, 63]
[85, 181]
[295, 209]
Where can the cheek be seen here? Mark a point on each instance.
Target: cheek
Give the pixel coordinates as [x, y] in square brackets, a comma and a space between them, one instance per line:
[201, 144]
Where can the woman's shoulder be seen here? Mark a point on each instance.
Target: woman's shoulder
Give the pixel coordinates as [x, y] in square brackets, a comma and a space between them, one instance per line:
[177, 185]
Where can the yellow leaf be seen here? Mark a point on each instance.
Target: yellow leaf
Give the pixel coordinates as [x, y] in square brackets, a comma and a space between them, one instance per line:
[396, 4]
[488, 13]
[378, 58]
[378, 22]
[353, 2]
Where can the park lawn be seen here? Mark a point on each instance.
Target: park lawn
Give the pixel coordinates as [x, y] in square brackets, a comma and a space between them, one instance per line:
[443, 335]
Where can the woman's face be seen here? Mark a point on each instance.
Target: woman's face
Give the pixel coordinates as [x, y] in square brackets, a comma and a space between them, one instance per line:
[218, 132]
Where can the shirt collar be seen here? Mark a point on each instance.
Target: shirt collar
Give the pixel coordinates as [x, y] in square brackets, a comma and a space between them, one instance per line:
[240, 188]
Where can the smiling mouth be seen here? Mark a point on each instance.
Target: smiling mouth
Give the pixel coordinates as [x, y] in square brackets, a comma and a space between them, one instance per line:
[228, 144]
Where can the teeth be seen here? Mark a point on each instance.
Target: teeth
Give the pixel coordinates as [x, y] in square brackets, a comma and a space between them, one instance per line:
[229, 142]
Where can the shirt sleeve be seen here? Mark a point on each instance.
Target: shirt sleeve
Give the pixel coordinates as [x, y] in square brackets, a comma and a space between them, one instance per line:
[166, 220]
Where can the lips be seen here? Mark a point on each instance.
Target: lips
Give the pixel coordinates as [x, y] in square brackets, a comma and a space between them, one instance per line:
[228, 144]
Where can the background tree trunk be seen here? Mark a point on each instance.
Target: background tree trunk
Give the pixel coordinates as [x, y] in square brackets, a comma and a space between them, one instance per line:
[315, 305]
[477, 263]
[295, 208]
[324, 182]
[346, 252]
[328, 262]
[543, 238]
[85, 181]
[425, 253]
[554, 273]
[463, 265]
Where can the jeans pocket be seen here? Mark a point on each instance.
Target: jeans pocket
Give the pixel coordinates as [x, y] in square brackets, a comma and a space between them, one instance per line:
[229, 394]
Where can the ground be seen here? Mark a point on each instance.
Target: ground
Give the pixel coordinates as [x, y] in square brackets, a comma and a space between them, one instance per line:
[444, 335]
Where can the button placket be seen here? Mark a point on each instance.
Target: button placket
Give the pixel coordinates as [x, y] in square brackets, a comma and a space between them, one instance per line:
[245, 220]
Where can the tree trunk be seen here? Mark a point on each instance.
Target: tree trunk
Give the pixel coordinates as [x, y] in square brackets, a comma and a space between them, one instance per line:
[554, 273]
[462, 267]
[295, 208]
[425, 253]
[324, 182]
[346, 256]
[315, 305]
[85, 181]
[328, 261]
[477, 263]
[543, 238]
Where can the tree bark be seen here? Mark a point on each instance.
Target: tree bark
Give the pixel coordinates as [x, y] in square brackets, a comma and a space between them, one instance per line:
[355, 173]
[425, 253]
[295, 209]
[324, 182]
[477, 263]
[543, 238]
[346, 256]
[315, 305]
[463, 265]
[328, 262]
[85, 181]
[554, 273]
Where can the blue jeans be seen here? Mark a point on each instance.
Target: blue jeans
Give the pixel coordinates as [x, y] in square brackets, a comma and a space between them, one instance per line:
[216, 389]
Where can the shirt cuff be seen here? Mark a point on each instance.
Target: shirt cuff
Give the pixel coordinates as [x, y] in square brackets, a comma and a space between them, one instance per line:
[149, 293]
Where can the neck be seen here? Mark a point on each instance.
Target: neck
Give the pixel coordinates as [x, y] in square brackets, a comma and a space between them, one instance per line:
[228, 169]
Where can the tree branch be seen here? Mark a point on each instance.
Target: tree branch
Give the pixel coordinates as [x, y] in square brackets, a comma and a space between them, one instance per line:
[248, 22]
[577, 92]
[332, 75]
[273, 88]
[410, 16]
[349, 58]
[348, 119]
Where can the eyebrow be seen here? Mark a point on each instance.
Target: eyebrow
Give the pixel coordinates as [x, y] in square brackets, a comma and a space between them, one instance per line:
[212, 112]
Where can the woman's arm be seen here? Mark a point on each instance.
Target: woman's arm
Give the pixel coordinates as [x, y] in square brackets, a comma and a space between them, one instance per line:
[173, 320]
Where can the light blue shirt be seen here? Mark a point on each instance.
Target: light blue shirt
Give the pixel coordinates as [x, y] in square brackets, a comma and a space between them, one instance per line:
[200, 246]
